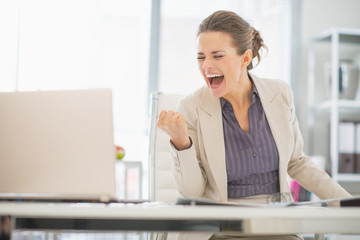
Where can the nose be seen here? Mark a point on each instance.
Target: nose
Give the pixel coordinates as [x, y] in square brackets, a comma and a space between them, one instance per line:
[207, 65]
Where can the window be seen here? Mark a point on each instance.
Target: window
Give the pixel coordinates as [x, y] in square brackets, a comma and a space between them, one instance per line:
[79, 44]
[180, 20]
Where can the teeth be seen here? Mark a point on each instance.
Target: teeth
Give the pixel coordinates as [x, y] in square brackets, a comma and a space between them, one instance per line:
[213, 75]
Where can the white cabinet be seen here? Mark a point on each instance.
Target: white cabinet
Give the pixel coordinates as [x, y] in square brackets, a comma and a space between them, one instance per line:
[332, 46]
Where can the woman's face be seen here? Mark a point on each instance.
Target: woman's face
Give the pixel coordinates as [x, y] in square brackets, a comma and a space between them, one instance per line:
[219, 63]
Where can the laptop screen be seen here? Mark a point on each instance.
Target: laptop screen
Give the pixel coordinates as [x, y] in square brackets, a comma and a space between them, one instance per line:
[57, 142]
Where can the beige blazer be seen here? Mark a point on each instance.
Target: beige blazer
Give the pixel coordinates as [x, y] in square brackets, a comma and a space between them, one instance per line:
[200, 171]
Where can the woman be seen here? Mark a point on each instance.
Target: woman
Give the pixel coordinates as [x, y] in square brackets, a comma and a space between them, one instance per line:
[237, 138]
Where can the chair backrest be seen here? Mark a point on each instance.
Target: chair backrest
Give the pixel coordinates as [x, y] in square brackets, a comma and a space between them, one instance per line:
[162, 183]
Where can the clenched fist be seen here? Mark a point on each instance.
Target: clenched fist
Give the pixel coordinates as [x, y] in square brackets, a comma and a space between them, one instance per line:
[173, 123]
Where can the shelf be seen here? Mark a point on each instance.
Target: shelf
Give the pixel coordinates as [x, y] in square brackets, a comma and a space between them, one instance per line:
[348, 177]
[337, 109]
[345, 106]
[347, 35]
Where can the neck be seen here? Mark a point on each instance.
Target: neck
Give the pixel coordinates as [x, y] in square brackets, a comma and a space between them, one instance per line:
[241, 97]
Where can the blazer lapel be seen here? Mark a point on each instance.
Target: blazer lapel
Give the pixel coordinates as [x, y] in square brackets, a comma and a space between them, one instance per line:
[210, 117]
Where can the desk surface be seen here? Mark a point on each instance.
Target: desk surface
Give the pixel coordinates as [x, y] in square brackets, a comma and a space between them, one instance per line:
[158, 217]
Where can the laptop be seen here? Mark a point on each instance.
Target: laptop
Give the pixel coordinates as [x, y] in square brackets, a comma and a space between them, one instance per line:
[57, 146]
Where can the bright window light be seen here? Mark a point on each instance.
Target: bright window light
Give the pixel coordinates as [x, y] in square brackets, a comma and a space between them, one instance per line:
[80, 44]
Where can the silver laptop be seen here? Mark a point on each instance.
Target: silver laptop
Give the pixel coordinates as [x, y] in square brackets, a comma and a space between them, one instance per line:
[57, 145]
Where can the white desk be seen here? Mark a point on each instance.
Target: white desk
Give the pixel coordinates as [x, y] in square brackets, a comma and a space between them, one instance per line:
[151, 217]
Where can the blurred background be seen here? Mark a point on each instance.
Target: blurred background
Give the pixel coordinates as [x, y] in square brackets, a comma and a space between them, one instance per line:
[139, 47]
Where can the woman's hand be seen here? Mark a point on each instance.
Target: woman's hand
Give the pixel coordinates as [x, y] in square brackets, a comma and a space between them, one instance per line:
[173, 123]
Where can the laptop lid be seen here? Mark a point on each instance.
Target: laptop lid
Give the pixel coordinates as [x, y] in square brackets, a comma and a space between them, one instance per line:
[57, 144]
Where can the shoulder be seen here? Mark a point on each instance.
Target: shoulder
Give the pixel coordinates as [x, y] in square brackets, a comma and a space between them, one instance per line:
[274, 85]
[190, 104]
[193, 99]
[270, 88]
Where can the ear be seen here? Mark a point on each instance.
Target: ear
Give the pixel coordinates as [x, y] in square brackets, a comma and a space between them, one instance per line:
[247, 57]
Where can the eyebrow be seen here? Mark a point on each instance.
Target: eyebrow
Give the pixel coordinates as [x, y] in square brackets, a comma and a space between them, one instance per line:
[213, 52]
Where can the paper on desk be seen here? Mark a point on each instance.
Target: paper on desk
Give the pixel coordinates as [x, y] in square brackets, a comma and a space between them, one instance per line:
[353, 201]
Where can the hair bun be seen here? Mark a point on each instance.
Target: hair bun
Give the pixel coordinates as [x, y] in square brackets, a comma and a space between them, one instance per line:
[258, 43]
[255, 33]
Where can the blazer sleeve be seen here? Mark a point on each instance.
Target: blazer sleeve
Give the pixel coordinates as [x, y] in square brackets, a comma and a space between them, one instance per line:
[303, 170]
[187, 168]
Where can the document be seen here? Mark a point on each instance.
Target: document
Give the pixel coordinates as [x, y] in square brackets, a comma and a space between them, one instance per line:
[353, 201]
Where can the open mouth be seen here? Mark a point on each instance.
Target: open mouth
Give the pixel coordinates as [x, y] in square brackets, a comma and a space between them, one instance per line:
[215, 79]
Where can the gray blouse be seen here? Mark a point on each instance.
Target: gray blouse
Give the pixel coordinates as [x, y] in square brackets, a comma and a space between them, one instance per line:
[252, 159]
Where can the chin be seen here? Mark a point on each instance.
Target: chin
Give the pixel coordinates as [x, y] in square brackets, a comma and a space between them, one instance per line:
[216, 93]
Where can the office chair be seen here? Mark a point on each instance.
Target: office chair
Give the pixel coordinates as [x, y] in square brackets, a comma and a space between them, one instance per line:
[163, 188]
[162, 184]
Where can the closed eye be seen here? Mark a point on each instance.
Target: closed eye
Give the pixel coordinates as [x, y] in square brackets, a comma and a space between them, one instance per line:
[201, 57]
